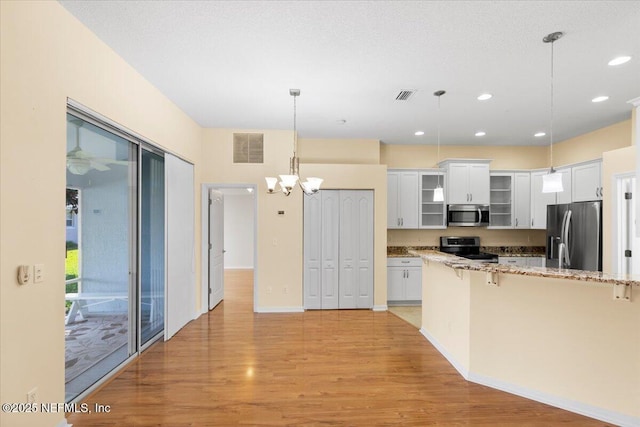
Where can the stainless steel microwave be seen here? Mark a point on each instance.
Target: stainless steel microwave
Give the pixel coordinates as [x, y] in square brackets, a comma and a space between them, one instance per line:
[468, 215]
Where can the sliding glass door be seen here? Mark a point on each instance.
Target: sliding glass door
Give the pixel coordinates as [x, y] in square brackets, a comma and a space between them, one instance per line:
[115, 278]
[101, 253]
[152, 248]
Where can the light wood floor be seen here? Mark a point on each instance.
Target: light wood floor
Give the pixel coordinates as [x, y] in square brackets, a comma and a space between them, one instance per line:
[318, 368]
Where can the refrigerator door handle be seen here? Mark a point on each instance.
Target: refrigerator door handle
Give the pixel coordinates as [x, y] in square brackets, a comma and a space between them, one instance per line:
[550, 243]
[565, 237]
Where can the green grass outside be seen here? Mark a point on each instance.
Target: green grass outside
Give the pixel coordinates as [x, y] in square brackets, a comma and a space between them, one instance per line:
[71, 272]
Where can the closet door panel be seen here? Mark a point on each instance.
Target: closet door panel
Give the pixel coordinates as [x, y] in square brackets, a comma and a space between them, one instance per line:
[364, 239]
[330, 233]
[348, 249]
[312, 251]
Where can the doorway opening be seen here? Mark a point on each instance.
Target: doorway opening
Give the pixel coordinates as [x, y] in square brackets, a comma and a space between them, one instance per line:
[229, 243]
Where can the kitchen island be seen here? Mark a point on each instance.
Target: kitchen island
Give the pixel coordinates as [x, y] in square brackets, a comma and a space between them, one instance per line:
[563, 337]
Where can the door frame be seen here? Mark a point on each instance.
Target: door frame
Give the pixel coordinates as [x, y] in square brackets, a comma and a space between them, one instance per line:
[204, 241]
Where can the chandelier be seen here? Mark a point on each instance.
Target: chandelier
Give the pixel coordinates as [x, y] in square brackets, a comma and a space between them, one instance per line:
[288, 182]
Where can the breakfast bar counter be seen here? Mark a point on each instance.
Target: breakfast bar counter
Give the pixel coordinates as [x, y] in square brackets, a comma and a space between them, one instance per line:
[567, 338]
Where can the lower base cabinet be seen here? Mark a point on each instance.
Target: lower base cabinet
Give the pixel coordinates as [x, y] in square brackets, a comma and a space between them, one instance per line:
[404, 280]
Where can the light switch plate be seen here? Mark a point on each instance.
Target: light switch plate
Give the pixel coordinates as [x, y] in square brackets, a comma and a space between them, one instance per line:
[38, 273]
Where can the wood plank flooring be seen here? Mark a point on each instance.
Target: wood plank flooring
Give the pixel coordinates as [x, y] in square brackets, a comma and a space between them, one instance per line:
[318, 368]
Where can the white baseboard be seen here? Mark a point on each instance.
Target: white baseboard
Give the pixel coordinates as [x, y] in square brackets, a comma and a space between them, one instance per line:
[380, 307]
[559, 402]
[587, 410]
[63, 423]
[458, 366]
[280, 310]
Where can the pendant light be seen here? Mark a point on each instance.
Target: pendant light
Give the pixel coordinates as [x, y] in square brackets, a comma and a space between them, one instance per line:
[552, 182]
[288, 182]
[438, 192]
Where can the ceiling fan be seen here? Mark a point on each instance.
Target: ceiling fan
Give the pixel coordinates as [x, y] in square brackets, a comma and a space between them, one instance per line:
[79, 161]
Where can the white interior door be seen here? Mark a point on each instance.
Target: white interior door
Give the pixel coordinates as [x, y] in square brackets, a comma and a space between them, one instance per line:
[330, 248]
[216, 248]
[312, 252]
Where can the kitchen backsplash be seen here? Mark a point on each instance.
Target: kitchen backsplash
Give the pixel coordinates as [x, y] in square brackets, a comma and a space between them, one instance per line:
[488, 237]
[395, 251]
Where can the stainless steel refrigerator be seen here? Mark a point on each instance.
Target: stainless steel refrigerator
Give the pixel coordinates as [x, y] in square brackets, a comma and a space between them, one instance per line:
[574, 236]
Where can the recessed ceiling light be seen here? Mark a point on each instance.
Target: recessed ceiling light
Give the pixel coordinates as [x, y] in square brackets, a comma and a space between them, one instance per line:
[481, 133]
[485, 96]
[599, 98]
[539, 134]
[419, 133]
[619, 60]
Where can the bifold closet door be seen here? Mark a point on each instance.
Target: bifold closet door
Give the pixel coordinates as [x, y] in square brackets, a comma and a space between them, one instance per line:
[356, 249]
[338, 249]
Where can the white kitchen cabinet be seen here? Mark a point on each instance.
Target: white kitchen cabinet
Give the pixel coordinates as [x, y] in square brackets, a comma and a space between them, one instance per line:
[404, 280]
[540, 200]
[565, 196]
[402, 199]
[522, 200]
[586, 182]
[468, 181]
[501, 191]
[432, 214]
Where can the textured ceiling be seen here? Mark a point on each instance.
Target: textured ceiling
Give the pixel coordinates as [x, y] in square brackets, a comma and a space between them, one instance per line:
[231, 64]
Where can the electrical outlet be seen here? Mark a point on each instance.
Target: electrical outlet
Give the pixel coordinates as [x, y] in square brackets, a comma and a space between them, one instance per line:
[275, 242]
[38, 273]
[285, 290]
[32, 395]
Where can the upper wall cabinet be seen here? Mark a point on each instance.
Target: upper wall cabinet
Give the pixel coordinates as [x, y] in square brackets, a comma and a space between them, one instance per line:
[432, 213]
[522, 199]
[540, 200]
[586, 182]
[468, 181]
[565, 196]
[402, 199]
[502, 200]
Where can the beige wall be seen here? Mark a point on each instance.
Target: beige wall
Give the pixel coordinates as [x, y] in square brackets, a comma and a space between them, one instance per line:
[568, 339]
[565, 340]
[591, 145]
[47, 56]
[425, 156]
[613, 162]
[279, 266]
[342, 151]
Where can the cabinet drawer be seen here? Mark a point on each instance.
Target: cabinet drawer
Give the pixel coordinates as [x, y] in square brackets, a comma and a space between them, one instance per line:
[404, 262]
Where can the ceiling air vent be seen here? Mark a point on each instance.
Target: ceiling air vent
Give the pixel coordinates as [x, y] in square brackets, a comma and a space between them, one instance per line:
[404, 95]
[248, 148]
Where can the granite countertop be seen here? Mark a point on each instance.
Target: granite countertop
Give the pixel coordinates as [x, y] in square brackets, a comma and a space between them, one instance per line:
[465, 264]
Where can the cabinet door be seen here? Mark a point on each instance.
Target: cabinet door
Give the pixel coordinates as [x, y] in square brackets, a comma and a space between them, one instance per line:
[432, 214]
[458, 184]
[408, 200]
[539, 201]
[513, 260]
[585, 180]
[479, 184]
[522, 200]
[565, 195]
[395, 283]
[393, 217]
[413, 284]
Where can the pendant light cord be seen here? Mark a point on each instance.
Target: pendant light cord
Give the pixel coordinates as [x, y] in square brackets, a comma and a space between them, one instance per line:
[295, 134]
[551, 120]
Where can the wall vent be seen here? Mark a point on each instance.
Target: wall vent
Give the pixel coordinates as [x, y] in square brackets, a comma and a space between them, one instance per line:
[404, 95]
[248, 148]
